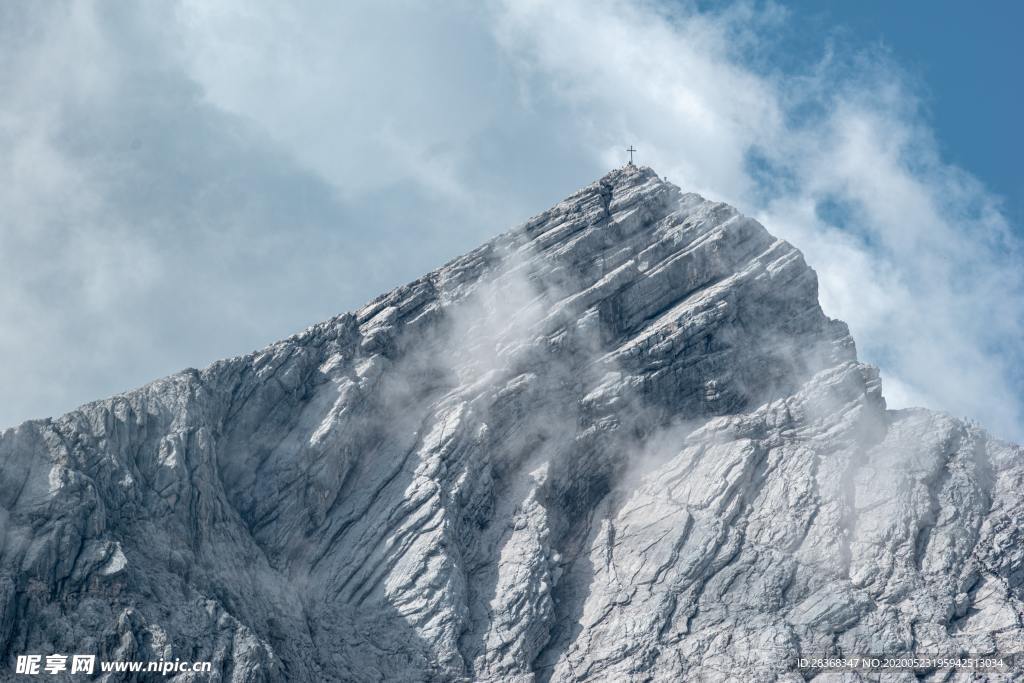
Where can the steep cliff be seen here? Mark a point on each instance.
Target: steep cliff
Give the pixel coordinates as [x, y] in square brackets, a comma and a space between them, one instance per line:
[620, 442]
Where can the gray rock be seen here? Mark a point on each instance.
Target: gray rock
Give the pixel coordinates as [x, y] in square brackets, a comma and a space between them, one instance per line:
[621, 442]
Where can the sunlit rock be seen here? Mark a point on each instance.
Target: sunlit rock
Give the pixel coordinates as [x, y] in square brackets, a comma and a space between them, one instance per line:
[620, 442]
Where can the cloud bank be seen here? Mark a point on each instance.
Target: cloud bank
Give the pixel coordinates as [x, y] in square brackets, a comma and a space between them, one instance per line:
[184, 182]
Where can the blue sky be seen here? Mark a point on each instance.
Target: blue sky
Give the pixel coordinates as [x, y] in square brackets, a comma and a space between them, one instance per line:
[965, 60]
[186, 181]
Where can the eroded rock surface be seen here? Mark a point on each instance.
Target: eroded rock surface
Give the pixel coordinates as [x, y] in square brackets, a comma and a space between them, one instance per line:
[621, 442]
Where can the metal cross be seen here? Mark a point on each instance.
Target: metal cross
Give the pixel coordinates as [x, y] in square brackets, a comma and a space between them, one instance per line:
[631, 150]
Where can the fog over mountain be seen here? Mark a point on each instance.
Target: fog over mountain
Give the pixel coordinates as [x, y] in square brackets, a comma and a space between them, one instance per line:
[619, 442]
[185, 181]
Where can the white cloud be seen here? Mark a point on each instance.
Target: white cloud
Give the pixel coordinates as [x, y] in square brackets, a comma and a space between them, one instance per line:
[365, 95]
[228, 173]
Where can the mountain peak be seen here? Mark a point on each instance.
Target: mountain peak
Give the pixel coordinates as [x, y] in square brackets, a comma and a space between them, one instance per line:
[618, 440]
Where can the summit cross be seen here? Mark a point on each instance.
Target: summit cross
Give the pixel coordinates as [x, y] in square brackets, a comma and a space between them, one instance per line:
[631, 150]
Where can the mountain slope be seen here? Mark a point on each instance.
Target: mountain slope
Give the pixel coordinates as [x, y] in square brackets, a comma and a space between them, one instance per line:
[620, 442]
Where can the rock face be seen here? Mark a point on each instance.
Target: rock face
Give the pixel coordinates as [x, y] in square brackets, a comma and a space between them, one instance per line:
[621, 442]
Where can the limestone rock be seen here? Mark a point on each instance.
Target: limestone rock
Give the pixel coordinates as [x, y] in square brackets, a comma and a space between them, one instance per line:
[620, 442]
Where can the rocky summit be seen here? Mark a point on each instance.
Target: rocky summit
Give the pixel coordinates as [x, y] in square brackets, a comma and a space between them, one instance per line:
[620, 442]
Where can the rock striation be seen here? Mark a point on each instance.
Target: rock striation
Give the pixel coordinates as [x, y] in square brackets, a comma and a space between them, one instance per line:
[620, 442]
